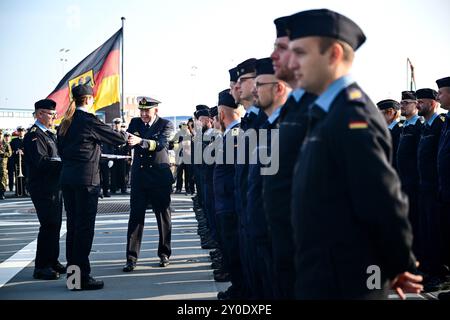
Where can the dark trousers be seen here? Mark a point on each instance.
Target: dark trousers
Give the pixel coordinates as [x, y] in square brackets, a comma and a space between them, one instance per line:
[118, 176]
[189, 184]
[105, 174]
[49, 211]
[210, 209]
[264, 257]
[181, 169]
[159, 198]
[80, 203]
[414, 217]
[11, 174]
[230, 251]
[444, 209]
[430, 224]
[283, 257]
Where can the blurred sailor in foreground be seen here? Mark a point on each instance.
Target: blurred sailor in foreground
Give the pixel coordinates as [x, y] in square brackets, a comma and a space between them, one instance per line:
[349, 215]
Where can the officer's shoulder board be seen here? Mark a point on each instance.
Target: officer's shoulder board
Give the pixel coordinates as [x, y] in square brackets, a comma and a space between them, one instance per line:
[33, 129]
[355, 95]
[442, 117]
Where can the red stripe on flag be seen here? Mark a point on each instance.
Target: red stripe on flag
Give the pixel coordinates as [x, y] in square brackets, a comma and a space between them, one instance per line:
[61, 97]
[110, 68]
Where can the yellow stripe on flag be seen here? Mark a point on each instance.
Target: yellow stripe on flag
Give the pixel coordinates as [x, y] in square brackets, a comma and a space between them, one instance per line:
[108, 92]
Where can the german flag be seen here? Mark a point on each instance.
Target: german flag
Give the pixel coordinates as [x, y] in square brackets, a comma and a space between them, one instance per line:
[101, 69]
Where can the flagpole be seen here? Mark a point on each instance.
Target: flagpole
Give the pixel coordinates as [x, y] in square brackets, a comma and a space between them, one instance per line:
[122, 101]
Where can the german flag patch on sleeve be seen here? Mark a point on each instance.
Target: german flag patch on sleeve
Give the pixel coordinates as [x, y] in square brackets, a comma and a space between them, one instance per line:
[355, 125]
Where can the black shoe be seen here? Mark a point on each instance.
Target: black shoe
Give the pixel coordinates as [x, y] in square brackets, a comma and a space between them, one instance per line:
[129, 266]
[107, 194]
[222, 277]
[2, 196]
[223, 295]
[210, 245]
[45, 274]
[164, 262]
[59, 268]
[92, 284]
[216, 265]
[124, 192]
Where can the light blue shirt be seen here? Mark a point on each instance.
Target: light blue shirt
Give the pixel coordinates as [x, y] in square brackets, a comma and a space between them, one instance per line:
[41, 126]
[297, 94]
[411, 121]
[231, 125]
[325, 100]
[393, 124]
[434, 116]
[253, 109]
[274, 116]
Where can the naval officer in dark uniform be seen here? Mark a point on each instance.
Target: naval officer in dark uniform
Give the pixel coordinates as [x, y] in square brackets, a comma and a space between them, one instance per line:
[443, 166]
[292, 125]
[79, 138]
[391, 112]
[229, 114]
[348, 213]
[407, 163]
[43, 184]
[271, 93]
[429, 220]
[151, 180]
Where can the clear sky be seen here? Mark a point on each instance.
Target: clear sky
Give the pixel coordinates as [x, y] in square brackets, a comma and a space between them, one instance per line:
[179, 51]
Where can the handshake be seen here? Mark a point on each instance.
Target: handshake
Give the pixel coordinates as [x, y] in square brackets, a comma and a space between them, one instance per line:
[133, 140]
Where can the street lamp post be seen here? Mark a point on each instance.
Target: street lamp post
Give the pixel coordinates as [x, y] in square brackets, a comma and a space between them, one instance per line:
[63, 58]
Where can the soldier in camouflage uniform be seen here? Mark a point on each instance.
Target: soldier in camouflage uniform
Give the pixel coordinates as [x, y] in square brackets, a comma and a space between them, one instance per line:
[5, 153]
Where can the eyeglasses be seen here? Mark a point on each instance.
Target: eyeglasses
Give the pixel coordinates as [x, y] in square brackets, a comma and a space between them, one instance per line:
[242, 79]
[406, 102]
[51, 114]
[259, 84]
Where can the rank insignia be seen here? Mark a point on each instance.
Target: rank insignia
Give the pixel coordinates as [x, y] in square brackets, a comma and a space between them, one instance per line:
[355, 94]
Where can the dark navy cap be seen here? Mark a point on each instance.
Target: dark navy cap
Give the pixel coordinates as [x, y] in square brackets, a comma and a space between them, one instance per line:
[201, 110]
[444, 82]
[213, 112]
[201, 107]
[426, 94]
[264, 66]
[233, 74]
[226, 99]
[325, 23]
[45, 104]
[281, 25]
[82, 90]
[387, 104]
[409, 95]
[248, 66]
[147, 102]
